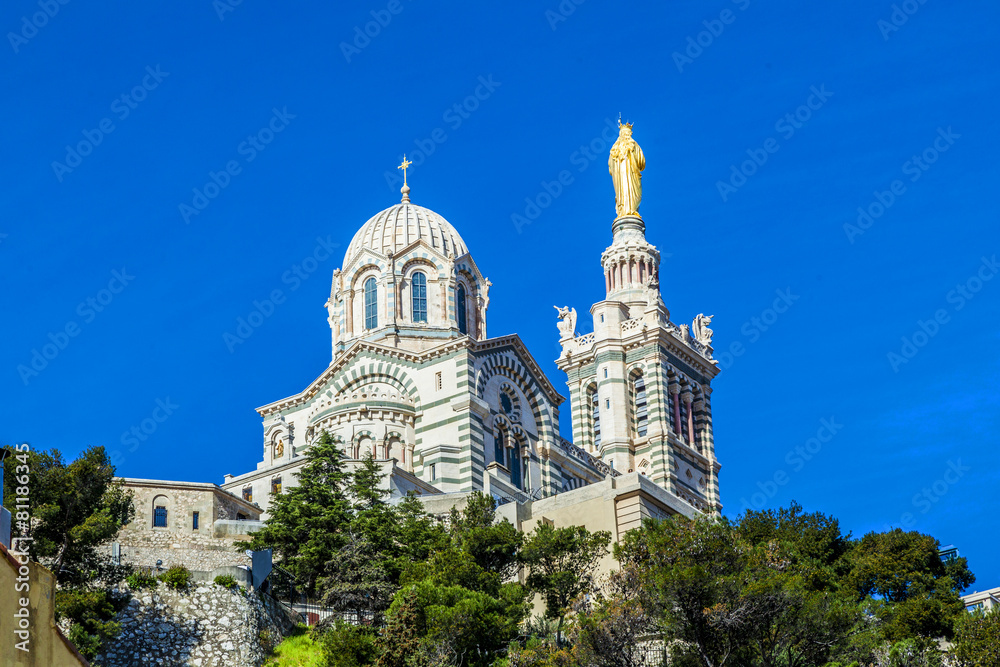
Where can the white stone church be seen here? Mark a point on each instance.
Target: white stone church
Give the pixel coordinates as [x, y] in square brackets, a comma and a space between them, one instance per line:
[416, 381]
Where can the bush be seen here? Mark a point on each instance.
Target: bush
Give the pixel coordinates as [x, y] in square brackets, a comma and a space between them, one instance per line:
[92, 613]
[178, 577]
[226, 581]
[139, 580]
[348, 645]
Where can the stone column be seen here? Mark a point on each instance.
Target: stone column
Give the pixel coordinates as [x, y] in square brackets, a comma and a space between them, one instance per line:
[686, 399]
[699, 405]
[349, 301]
[675, 404]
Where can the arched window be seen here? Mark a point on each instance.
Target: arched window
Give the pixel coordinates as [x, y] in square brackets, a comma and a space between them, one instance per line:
[463, 326]
[371, 304]
[639, 412]
[500, 446]
[595, 403]
[159, 516]
[418, 288]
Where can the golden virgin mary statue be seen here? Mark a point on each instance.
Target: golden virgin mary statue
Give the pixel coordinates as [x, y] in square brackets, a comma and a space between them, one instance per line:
[625, 164]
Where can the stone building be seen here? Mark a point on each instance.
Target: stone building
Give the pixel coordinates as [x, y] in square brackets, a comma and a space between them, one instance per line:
[415, 380]
[186, 523]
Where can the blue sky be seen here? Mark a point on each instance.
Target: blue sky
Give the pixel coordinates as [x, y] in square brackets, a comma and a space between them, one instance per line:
[708, 86]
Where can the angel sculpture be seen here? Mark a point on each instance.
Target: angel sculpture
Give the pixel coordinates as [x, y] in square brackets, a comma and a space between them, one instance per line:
[567, 322]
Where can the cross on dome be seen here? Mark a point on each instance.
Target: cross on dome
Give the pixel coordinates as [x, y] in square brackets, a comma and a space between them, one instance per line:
[406, 188]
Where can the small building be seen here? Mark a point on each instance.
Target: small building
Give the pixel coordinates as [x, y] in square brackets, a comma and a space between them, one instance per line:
[193, 524]
[984, 601]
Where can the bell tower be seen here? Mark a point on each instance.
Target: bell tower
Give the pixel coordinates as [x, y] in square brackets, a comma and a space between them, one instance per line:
[639, 384]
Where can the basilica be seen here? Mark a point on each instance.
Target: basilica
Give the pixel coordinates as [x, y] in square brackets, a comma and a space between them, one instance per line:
[416, 381]
[446, 410]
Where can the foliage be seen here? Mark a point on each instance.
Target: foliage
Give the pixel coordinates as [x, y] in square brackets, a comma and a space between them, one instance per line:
[297, 650]
[348, 645]
[920, 591]
[92, 613]
[141, 579]
[177, 577]
[307, 522]
[612, 632]
[226, 581]
[494, 546]
[75, 508]
[561, 563]
[537, 652]
[977, 640]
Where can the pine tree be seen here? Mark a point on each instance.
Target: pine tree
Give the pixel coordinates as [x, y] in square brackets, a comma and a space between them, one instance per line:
[307, 523]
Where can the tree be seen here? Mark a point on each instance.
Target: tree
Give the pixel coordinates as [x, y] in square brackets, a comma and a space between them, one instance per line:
[307, 523]
[977, 640]
[493, 545]
[920, 591]
[612, 632]
[74, 509]
[561, 564]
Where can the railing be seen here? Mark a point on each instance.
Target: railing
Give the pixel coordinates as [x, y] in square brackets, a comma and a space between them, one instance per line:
[584, 340]
[592, 461]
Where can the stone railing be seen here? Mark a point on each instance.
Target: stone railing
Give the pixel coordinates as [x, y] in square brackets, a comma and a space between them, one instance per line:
[585, 340]
[691, 499]
[631, 325]
[592, 461]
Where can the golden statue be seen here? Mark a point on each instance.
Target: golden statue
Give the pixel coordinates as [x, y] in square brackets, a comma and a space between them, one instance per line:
[625, 164]
[279, 449]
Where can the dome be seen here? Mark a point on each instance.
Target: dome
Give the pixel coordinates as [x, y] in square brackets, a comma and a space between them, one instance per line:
[398, 226]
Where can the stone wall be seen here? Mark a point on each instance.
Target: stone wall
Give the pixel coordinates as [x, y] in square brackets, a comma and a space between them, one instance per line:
[206, 626]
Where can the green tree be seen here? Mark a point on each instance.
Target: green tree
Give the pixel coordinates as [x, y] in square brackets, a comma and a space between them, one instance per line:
[920, 591]
[561, 563]
[307, 523]
[75, 508]
[493, 545]
[977, 640]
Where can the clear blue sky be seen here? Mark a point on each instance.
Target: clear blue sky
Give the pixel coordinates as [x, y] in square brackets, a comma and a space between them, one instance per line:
[889, 92]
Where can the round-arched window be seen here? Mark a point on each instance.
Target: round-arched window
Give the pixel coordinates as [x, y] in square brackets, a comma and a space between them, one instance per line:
[371, 304]
[463, 326]
[419, 297]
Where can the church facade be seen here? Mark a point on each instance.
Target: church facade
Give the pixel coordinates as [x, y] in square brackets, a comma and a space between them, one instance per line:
[416, 381]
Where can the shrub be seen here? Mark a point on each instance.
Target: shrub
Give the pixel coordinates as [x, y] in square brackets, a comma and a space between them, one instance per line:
[226, 581]
[348, 645]
[178, 577]
[92, 613]
[139, 580]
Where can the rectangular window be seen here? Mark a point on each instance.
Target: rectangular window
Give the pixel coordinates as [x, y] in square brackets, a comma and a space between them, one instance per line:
[276, 485]
[248, 494]
[605, 372]
[434, 474]
[160, 517]
[194, 521]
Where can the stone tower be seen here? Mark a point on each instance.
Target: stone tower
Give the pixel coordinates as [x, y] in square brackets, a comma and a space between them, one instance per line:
[639, 385]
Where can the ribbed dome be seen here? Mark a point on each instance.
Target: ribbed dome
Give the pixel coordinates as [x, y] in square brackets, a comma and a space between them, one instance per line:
[398, 226]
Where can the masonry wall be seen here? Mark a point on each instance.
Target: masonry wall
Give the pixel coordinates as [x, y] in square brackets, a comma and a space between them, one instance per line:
[180, 543]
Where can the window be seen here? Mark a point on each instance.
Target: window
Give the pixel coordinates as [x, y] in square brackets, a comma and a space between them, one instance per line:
[371, 304]
[605, 372]
[463, 326]
[437, 381]
[500, 446]
[505, 403]
[419, 297]
[194, 521]
[248, 494]
[595, 414]
[240, 516]
[275, 485]
[515, 465]
[160, 517]
[434, 474]
[639, 412]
